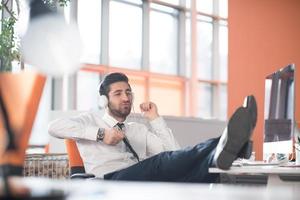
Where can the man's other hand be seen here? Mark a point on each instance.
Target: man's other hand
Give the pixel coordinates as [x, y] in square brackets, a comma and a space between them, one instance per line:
[149, 110]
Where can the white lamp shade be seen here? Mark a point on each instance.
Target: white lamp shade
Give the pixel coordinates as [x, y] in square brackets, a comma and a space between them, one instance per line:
[52, 46]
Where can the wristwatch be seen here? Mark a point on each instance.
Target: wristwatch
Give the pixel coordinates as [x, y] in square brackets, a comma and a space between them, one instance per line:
[100, 134]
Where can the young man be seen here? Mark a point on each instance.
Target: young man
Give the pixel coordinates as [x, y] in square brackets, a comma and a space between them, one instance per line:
[114, 149]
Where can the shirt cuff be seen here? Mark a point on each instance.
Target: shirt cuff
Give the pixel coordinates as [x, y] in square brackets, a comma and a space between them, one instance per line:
[158, 123]
[91, 133]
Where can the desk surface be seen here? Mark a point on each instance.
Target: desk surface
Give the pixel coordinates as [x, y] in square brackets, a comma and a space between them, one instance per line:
[258, 170]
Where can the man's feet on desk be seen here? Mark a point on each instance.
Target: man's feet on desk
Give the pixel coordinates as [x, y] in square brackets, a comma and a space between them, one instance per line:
[237, 135]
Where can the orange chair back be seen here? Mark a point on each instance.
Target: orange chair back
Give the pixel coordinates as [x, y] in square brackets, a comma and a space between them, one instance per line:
[75, 160]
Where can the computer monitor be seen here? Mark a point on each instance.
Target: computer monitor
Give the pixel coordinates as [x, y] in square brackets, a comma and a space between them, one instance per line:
[279, 111]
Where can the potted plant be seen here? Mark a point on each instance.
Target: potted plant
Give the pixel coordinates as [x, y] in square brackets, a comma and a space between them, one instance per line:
[9, 45]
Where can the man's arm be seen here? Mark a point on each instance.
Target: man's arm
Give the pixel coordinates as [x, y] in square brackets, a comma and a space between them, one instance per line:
[162, 138]
[79, 127]
[83, 127]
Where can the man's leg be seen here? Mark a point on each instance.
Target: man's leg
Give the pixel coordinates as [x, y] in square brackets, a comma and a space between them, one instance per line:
[199, 173]
[234, 140]
[172, 166]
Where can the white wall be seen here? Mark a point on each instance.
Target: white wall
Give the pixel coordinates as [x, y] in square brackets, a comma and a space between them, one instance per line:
[188, 131]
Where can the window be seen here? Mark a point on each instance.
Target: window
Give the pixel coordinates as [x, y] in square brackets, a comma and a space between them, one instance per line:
[205, 6]
[87, 90]
[188, 43]
[205, 48]
[125, 35]
[211, 59]
[150, 41]
[168, 95]
[205, 98]
[89, 23]
[223, 50]
[223, 7]
[159, 45]
[163, 39]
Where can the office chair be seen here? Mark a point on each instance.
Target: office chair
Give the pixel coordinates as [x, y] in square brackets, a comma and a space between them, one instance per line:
[77, 170]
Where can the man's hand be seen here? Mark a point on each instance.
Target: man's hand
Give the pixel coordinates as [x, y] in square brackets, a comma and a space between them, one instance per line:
[149, 110]
[113, 136]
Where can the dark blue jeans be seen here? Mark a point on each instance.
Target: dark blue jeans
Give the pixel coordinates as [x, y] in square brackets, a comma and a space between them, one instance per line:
[187, 165]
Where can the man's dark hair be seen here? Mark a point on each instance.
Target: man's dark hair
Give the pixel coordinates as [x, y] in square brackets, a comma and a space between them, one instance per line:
[110, 79]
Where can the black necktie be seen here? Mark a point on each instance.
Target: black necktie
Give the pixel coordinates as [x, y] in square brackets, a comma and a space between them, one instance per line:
[121, 126]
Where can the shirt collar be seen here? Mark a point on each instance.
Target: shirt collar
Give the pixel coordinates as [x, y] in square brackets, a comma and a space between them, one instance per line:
[109, 120]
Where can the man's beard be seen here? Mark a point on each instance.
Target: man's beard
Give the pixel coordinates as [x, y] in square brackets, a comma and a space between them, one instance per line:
[120, 113]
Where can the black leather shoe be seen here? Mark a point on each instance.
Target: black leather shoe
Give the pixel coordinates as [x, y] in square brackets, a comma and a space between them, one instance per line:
[234, 137]
[246, 150]
[251, 107]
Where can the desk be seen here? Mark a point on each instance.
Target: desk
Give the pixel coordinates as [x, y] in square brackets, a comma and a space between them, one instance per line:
[116, 190]
[273, 173]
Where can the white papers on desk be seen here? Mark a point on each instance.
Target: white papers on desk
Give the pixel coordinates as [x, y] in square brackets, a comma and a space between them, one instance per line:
[244, 162]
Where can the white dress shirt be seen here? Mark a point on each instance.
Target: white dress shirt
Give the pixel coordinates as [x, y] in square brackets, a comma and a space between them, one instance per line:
[100, 158]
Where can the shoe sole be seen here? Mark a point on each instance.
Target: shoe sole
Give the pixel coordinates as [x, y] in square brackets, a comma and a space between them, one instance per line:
[251, 107]
[246, 150]
[238, 133]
